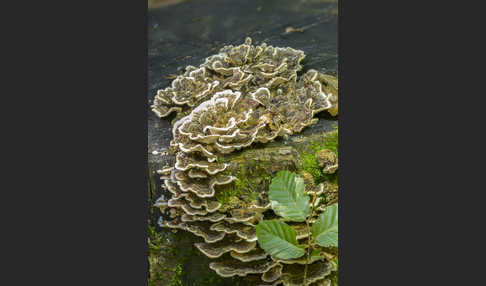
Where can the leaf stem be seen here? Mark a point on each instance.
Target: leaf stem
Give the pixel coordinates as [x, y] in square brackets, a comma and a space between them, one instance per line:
[309, 238]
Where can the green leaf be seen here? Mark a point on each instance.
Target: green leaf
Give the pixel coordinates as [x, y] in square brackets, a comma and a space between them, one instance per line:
[288, 197]
[325, 229]
[278, 239]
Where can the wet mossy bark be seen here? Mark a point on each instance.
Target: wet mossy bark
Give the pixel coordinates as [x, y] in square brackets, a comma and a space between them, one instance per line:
[184, 34]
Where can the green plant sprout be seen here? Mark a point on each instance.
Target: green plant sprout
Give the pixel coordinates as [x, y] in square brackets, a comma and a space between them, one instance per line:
[290, 201]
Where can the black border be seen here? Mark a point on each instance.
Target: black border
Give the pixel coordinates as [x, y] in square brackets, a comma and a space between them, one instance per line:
[79, 143]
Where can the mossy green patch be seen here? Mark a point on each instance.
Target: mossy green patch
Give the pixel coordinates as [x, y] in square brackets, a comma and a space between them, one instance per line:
[254, 169]
[176, 276]
[155, 240]
[225, 194]
[308, 156]
[243, 188]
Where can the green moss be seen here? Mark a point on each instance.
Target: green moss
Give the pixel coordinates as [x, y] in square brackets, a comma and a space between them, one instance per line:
[254, 169]
[329, 141]
[176, 276]
[308, 156]
[154, 240]
[224, 193]
[243, 187]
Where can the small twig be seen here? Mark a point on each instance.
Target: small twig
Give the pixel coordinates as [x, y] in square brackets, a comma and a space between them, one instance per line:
[291, 29]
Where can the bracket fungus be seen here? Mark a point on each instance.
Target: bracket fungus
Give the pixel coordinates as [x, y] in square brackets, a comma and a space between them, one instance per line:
[233, 267]
[273, 273]
[229, 243]
[328, 160]
[244, 95]
[255, 254]
[293, 275]
[241, 230]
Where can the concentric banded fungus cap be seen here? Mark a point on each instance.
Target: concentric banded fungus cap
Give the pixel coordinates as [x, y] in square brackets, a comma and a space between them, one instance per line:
[293, 275]
[292, 105]
[203, 230]
[204, 188]
[245, 216]
[198, 228]
[165, 170]
[331, 191]
[255, 254]
[185, 162]
[241, 230]
[183, 204]
[212, 217]
[328, 160]
[220, 125]
[196, 174]
[233, 267]
[199, 203]
[229, 243]
[272, 274]
[299, 261]
[161, 203]
[186, 91]
[330, 187]
[330, 86]
[173, 189]
[262, 62]
[317, 190]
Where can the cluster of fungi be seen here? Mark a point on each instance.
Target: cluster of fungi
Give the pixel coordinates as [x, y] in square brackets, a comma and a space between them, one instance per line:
[243, 95]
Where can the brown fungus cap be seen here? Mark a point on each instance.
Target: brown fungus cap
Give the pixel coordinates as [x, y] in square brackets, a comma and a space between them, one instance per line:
[227, 244]
[328, 160]
[203, 230]
[300, 261]
[212, 217]
[241, 230]
[185, 162]
[198, 228]
[293, 275]
[255, 254]
[198, 203]
[272, 274]
[330, 86]
[245, 216]
[205, 188]
[186, 91]
[233, 267]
